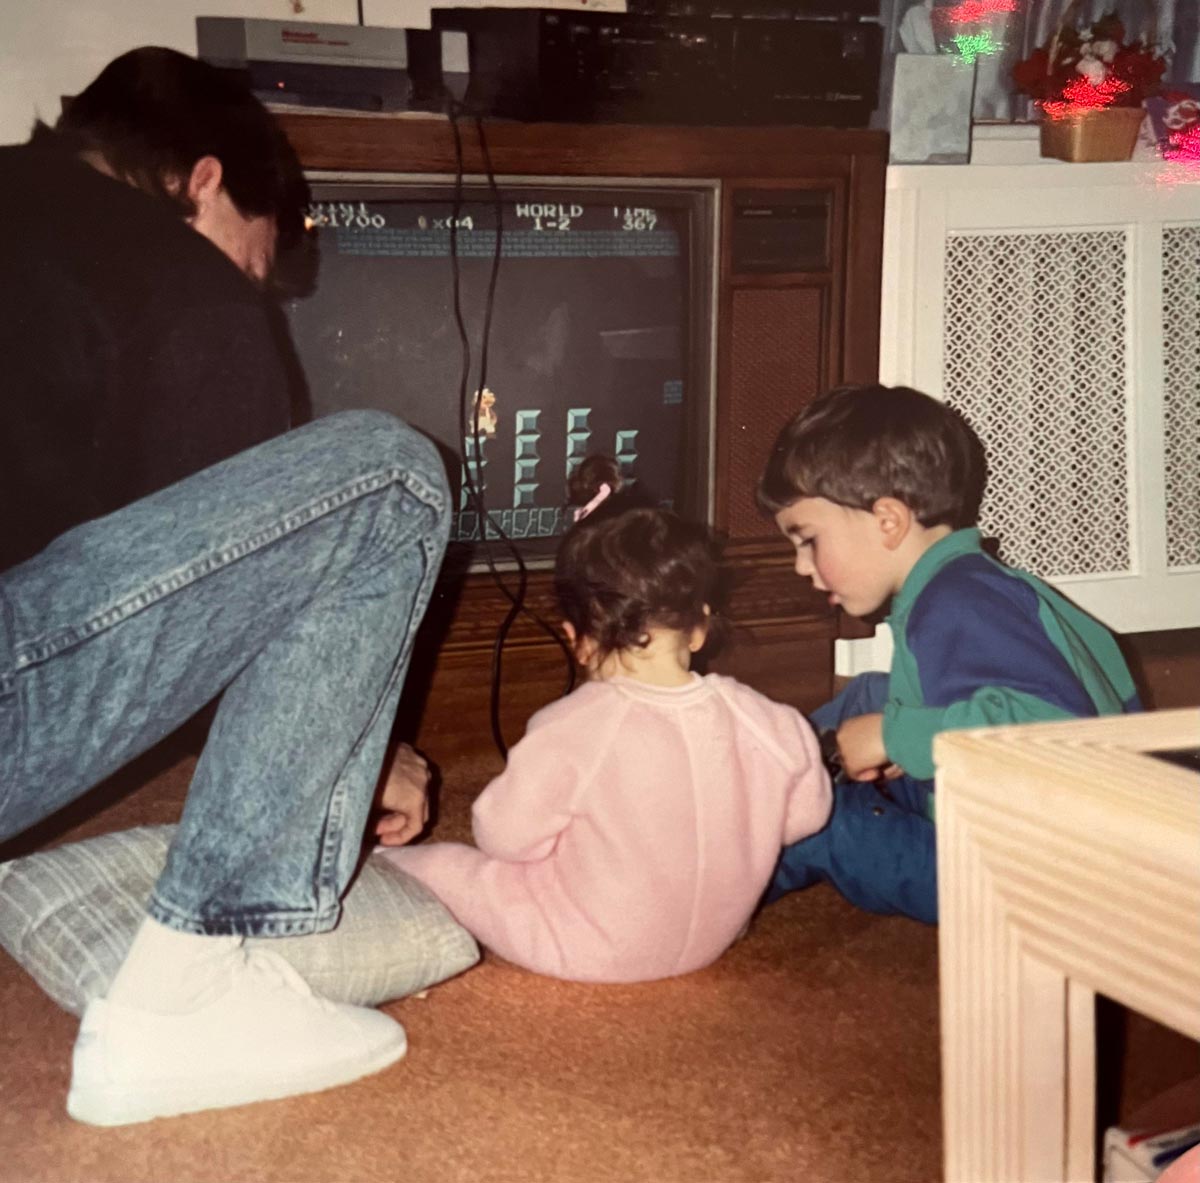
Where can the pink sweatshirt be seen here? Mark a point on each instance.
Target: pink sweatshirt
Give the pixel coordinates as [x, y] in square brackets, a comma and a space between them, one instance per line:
[633, 830]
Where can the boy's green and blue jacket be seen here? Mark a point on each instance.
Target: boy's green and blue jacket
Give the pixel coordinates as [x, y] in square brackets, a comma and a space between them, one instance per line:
[978, 643]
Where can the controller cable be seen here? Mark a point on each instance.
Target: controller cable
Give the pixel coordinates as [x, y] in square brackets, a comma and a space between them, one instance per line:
[489, 528]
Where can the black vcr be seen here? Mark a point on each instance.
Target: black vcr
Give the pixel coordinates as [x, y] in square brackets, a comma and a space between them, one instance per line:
[637, 67]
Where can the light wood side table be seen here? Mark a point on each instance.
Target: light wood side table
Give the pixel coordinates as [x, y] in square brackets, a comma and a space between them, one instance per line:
[1068, 865]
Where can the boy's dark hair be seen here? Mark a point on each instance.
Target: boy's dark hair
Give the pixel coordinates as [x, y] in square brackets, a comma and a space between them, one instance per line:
[856, 444]
[152, 113]
[630, 566]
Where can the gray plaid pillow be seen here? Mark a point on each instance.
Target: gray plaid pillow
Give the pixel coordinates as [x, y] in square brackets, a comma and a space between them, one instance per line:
[68, 916]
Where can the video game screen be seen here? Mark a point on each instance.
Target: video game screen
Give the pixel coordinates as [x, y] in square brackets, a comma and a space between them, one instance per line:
[591, 345]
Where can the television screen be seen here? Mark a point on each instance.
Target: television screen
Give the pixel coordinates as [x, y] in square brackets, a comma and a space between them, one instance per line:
[598, 338]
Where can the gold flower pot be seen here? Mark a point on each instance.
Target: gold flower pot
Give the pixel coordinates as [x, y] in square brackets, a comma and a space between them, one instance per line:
[1092, 134]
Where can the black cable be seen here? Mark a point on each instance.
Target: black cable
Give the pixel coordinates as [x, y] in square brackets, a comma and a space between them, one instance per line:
[517, 606]
[475, 491]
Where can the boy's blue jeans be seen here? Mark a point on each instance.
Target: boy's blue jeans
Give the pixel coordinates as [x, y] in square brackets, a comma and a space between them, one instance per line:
[880, 854]
[290, 579]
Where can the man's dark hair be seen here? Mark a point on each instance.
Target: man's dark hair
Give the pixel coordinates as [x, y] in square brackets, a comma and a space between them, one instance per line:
[152, 113]
[629, 567]
[859, 443]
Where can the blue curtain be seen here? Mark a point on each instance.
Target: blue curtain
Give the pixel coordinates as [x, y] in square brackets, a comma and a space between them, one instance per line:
[1169, 24]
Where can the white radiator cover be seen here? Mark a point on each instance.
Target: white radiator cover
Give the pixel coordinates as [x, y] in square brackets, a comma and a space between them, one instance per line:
[1058, 306]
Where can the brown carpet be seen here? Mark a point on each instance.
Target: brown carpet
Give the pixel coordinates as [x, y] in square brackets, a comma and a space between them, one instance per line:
[808, 1053]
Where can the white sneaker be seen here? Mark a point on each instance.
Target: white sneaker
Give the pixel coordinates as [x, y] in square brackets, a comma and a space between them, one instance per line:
[267, 1036]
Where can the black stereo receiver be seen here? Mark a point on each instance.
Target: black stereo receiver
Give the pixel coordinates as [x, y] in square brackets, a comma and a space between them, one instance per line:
[550, 64]
[782, 9]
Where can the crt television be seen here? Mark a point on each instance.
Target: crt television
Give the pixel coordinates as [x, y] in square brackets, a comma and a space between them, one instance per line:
[598, 339]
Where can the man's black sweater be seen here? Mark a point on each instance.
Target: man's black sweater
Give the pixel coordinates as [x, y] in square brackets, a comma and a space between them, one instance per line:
[133, 353]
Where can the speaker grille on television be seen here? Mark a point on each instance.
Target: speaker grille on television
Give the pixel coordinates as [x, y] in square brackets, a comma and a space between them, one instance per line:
[775, 368]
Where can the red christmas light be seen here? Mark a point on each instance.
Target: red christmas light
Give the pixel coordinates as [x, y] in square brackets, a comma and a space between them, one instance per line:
[973, 11]
[1084, 95]
[1184, 147]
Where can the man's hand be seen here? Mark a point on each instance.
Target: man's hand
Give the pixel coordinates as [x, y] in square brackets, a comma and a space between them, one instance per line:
[860, 744]
[404, 797]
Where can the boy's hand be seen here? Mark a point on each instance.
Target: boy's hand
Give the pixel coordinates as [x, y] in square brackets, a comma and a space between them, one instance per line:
[860, 744]
[404, 797]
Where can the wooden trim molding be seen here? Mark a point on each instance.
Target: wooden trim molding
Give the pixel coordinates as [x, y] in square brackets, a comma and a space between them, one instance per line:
[426, 145]
[765, 592]
[1069, 866]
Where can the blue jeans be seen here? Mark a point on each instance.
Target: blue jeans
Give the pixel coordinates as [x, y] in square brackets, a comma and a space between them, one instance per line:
[879, 852]
[289, 579]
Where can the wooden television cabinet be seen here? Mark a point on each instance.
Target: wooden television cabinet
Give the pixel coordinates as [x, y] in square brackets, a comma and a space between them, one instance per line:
[779, 338]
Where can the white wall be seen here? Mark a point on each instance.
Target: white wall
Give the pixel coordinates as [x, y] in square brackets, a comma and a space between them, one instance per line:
[51, 48]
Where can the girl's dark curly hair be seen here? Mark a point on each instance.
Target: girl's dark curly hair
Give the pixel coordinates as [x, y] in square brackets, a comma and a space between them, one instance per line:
[630, 566]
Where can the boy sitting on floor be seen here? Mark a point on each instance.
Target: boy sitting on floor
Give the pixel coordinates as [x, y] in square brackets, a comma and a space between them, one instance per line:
[879, 489]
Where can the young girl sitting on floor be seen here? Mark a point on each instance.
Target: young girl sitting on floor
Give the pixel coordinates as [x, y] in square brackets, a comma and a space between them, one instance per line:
[639, 819]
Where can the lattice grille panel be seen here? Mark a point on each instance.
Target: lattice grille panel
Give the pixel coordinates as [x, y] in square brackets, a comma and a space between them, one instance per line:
[1181, 392]
[1035, 357]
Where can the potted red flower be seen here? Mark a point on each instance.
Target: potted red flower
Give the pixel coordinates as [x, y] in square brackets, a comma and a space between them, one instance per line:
[1089, 84]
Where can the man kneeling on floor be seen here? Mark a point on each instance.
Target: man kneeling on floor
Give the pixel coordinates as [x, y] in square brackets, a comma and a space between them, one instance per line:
[168, 540]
